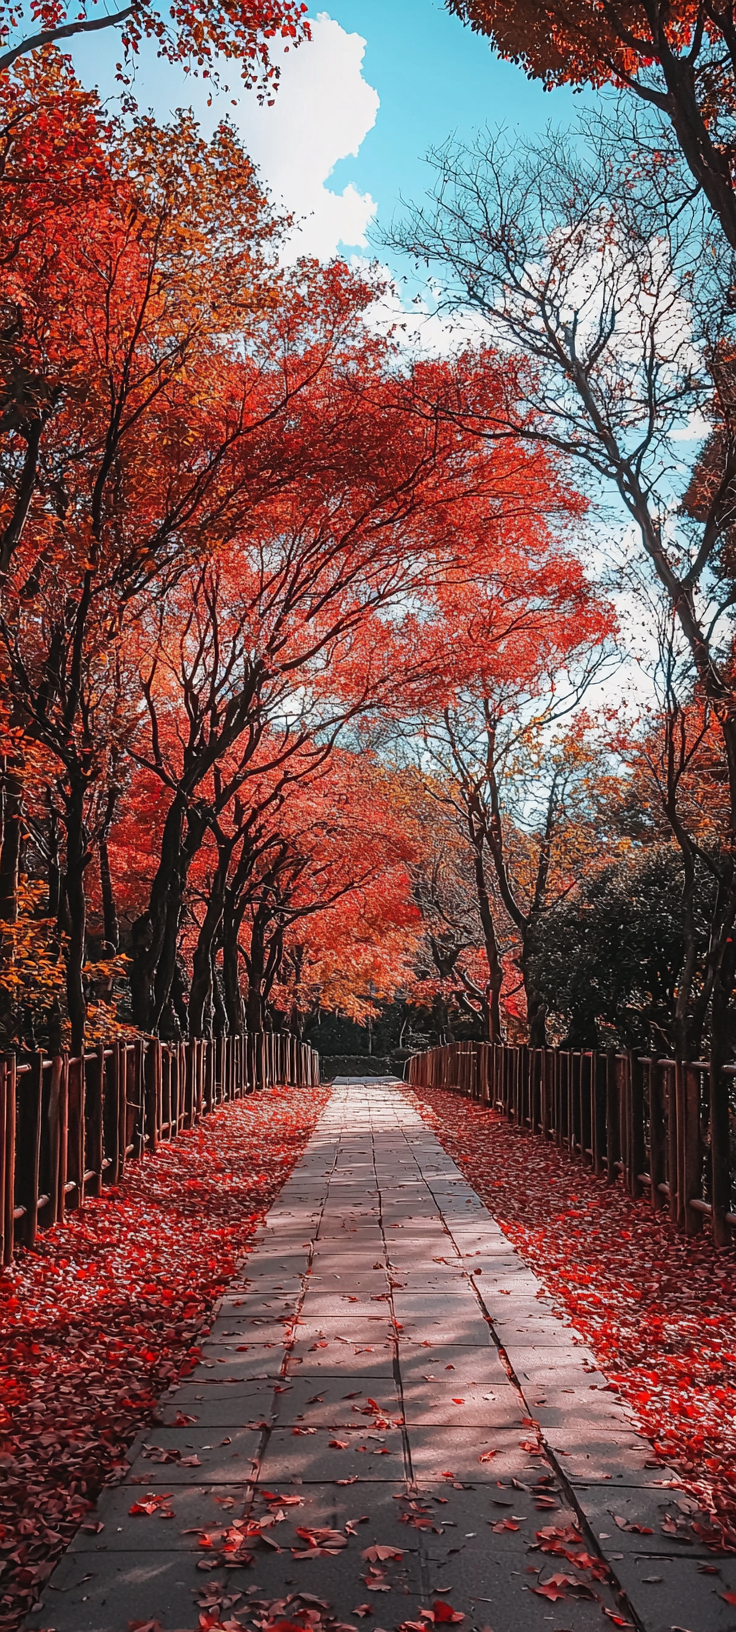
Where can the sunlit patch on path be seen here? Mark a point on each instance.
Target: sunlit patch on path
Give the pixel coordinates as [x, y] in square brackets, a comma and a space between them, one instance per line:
[389, 1427]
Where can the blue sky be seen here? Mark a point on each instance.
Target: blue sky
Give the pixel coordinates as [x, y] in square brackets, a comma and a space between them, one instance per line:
[433, 77]
[381, 81]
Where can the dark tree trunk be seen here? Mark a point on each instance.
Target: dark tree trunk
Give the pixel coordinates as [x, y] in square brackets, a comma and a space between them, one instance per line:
[201, 990]
[255, 965]
[54, 868]
[495, 971]
[155, 935]
[77, 857]
[11, 846]
[536, 1008]
[111, 926]
[11, 832]
[12, 535]
[202, 993]
[232, 995]
[219, 1012]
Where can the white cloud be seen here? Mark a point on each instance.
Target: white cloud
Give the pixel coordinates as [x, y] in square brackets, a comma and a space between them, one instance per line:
[418, 321]
[322, 112]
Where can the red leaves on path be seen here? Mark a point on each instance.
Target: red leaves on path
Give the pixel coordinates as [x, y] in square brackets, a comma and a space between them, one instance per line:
[107, 1311]
[658, 1311]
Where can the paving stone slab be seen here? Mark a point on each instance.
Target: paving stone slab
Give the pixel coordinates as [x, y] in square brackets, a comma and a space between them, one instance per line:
[456, 1453]
[202, 1456]
[194, 1507]
[359, 1454]
[671, 1595]
[336, 1401]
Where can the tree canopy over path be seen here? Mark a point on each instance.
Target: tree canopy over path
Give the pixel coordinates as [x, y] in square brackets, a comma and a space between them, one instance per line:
[380, 700]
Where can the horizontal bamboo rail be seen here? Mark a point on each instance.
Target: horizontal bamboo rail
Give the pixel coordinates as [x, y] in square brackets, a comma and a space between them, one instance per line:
[68, 1126]
[640, 1119]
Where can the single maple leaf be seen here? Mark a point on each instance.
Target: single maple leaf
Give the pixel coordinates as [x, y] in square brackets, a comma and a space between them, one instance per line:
[445, 1613]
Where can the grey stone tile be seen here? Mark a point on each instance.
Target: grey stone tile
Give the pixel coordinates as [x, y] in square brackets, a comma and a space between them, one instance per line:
[338, 1402]
[105, 1594]
[367, 1455]
[671, 1595]
[221, 1458]
[455, 1453]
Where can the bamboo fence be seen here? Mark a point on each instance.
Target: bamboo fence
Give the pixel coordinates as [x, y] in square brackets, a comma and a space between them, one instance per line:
[68, 1126]
[644, 1120]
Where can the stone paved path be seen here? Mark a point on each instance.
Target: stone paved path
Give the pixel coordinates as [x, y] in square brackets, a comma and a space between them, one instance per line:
[386, 1356]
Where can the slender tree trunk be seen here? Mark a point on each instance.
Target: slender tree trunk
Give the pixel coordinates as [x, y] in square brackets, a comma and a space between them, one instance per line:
[255, 964]
[155, 935]
[54, 867]
[11, 795]
[721, 1051]
[219, 1012]
[201, 989]
[12, 535]
[111, 926]
[232, 995]
[495, 971]
[706, 160]
[77, 857]
[11, 846]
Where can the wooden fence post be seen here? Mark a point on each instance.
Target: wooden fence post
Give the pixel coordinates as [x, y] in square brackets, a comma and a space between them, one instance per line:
[77, 1127]
[7, 1157]
[673, 1116]
[613, 1128]
[587, 1068]
[720, 1150]
[152, 1092]
[58, 1136]
[94, 1094]
[28, 1147]
[111, 1116]
[692, 1153]
[636, 1149]
[657, 1135]
[598, 1106]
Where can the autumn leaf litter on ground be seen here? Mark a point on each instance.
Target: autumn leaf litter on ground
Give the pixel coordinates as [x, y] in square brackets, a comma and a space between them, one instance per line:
[657, 1310]
[107, 1311]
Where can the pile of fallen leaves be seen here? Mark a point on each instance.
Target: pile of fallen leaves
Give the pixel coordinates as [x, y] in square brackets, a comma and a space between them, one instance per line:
[107, 1310]
[225, 1610]
[658, 1310]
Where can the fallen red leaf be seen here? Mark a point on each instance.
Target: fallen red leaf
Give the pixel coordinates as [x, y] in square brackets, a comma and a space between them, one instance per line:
[444, 1612]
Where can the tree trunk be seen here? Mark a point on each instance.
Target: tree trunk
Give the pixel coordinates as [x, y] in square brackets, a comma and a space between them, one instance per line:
[111, 926]
[202, 987]
[706, 160]
[11, 830]
[495, 971]
[255, 965]
[219, 1012]
[156, 933]
[77, 857]
[11, 845]
[232, 995]
[54, 868]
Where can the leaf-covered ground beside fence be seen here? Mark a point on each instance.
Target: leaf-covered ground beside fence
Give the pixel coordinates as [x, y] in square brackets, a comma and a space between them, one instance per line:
[107, 1310]
[658, 1311]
